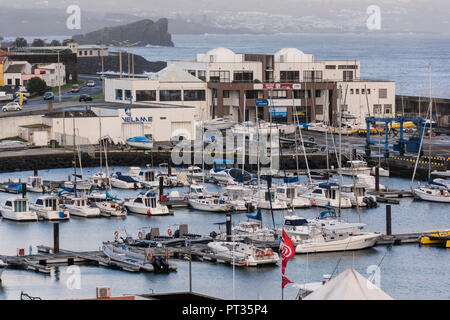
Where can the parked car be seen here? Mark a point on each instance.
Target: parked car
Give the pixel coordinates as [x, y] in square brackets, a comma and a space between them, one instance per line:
[24, 99]
[75, 88]
[91, 83]
[49, 96]
[85, 98]
[12, 106]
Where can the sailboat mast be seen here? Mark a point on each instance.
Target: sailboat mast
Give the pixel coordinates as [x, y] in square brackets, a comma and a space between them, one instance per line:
[340, 146]
[74, 157]
[431, 122]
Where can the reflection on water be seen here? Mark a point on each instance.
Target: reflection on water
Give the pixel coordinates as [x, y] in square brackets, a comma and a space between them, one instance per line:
[406, 272]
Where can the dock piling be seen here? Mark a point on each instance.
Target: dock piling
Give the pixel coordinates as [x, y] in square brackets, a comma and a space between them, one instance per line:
[56, 237]
[377, 178]
[24, 190]
[229, 226]
[388, 220]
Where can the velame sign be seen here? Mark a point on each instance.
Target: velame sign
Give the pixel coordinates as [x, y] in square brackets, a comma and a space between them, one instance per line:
[130, 118]
[274, 86]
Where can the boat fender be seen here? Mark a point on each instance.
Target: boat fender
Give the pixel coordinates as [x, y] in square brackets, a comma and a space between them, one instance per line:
[169, 232]
[140, 235]
[118, 208]
[149, 256]
[116, 234]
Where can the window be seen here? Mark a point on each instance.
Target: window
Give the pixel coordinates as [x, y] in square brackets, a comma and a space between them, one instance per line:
[219, 76]
[289, 76]
[243, 76]
[351, 91]
[119, 94]
[192, 72]
[9, 82]
[226, 93]
[357, 91]
[382, 93]
[351, 66]
[344, 107]
[319, 109]
[318, 92]
[128, 95]
[363, 91]
[330, 66]
[302, 94]
[170, 95]
[194, 95]
[80, 53]
[90, 52]
[145, 95]
[377, 108]
[388, 108]
[278, 94]
[312, 76]
[368, 91]
[202, 75]
[17, 82]
[347, 76]
[253, 94]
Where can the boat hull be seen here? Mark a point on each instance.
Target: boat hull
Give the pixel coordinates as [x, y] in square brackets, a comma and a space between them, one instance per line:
[422, 195]
[159, 211]
[351, 243]
[209, 207]
[19, 216]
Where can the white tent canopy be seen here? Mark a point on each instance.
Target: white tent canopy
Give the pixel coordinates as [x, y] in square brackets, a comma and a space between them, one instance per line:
[349, 285]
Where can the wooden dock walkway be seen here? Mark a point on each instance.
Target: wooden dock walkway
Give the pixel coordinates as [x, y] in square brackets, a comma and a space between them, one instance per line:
[397, 239]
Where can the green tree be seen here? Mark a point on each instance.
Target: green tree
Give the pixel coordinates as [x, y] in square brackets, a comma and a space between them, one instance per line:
[20, 43]
[37, 85]
[66, 41]
[38, 43]
[55, 43]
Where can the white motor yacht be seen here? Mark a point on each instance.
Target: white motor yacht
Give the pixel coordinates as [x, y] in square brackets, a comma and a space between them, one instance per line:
[111, 209]
[358, 196]
[48, 208]
[327, 195]
[243, 254]
[79, 207]
[355, 167]
[146, 203]
[269, 200]
[18, 209]
[120, 181]
[212, 204]
[291, 195]
[432, 194]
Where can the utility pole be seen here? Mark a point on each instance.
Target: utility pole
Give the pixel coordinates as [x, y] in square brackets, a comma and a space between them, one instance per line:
[120, 44]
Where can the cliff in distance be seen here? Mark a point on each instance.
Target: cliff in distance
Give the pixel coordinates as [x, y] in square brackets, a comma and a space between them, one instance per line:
[145, 31]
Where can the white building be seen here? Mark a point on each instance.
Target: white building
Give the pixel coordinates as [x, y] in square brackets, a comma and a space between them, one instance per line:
[170, 86]
[292, 82]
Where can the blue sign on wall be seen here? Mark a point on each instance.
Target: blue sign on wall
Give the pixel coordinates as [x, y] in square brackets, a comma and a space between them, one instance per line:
[261, 102]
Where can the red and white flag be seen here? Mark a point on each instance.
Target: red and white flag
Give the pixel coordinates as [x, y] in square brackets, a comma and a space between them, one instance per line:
[287, 251]
[284, 281]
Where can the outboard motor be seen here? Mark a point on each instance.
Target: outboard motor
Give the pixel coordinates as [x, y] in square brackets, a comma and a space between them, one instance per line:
[213, 234]
[160, 264]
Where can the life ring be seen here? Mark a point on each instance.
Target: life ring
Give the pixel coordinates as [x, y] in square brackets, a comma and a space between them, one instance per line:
[117, 208]
[140, 235]
[260, 254]
[149, 255]
[116, 234]
[314, 202]
[167, 255]
[254, 229]
[169, 232]
[445, 193]
[269, 252]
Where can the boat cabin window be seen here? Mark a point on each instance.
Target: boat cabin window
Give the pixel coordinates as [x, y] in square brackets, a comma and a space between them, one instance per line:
[319, 191]
[39, 202]
[270, 196]
[290, 193]
[138, 200]
[8, 204]
[149, 176]
[330, 194]
[150, 202]
[81, 203]
[281, 190]
[20, 206]
[51, 203]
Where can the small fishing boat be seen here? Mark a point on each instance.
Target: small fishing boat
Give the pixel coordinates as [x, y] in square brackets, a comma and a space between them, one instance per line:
[292, 196]
[252, 229]
[146, 203]
[18, 209]
[99, 180]
[78, 207]
[243, 254]
[48, 208]
[81, 185]
[327, 195]
[36, 184]
[135, 261]
[240, 197]
[211, 203]
[140, 143]
[111, 209]
[355, 167]
[441, 174]
[120, 181]
[266, 200]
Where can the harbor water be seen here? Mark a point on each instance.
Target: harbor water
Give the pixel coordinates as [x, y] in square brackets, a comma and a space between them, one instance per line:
[407, 271]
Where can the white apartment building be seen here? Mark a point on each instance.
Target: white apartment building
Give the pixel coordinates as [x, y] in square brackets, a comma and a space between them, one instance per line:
[293, 84]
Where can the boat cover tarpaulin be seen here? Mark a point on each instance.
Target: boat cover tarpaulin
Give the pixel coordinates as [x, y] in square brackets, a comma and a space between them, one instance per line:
[349, 285]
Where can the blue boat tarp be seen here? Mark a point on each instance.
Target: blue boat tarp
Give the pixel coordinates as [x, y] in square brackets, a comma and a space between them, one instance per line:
[138, 139]
[328, 185]
[110, 196]
[430, 181]
[291, 179]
